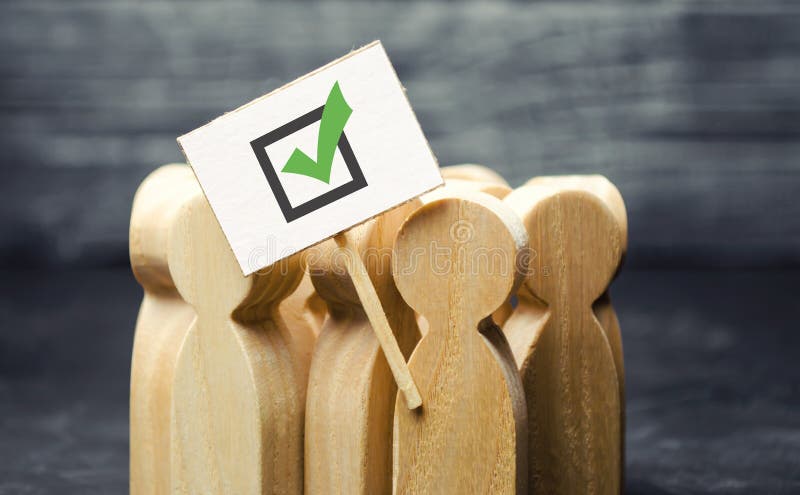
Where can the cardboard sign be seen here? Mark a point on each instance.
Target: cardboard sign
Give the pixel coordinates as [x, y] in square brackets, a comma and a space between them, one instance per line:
[313, 158]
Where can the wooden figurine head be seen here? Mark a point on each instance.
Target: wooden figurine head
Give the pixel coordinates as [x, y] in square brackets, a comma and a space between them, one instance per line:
[156, 202]
[209, 278]
[467, 179]
[473, 173]
[327, 263]
[327, 266]
[598, 185]
[578, 241]
[456, 187]
[470, 243]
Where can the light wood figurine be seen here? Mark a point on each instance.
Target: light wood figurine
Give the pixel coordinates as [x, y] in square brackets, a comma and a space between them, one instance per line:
[241, 376]
[456, 260]
[163, 321]
[565, 359]
[350, 405]
[607, 192]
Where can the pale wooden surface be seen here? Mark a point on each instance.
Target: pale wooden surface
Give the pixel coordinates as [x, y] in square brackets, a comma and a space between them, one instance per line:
[351, 393]
[469, 436]
[565, 360]
[241, 376]
[163, 321]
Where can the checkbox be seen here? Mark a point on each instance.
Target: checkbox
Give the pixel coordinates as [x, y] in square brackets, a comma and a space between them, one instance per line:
[291, 198]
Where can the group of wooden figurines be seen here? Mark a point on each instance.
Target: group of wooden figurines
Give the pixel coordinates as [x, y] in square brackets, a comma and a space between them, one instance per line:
[275, 382]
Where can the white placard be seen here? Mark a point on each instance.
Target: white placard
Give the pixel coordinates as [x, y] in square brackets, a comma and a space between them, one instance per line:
[270, 208]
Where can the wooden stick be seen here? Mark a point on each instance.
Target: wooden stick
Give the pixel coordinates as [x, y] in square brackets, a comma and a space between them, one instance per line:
[383, 332]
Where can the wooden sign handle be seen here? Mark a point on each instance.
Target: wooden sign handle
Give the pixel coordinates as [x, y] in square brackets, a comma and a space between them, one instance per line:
[377, 317]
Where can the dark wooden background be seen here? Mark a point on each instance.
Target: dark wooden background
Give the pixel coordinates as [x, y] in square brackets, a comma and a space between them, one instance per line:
[691, 108]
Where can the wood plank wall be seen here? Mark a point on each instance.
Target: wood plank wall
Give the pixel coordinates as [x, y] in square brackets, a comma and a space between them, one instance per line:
[692, 108]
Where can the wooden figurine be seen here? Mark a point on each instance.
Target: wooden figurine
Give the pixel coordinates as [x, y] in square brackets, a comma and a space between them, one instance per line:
[350, 405]
[604, 189]
[163, 321]
[565, 359]
[241, 375]
[456, 260]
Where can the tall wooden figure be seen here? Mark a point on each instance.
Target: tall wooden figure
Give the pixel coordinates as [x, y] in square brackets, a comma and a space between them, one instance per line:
[350, 406]
[607, 192]
[565, 360]
[164, 319]
[456, 261]
[241, 376]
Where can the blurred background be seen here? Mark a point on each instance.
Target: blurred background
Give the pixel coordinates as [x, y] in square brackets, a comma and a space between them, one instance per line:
[691, 108]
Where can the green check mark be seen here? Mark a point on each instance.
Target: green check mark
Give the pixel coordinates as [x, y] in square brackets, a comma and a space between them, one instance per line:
[334, 117]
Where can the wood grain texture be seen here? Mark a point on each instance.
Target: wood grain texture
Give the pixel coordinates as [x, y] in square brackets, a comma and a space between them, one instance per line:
[565, 359]
[163, 321]
[351, 392]
[240, 381]
[469, 436]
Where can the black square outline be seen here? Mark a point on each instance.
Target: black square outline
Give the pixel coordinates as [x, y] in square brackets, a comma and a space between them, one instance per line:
[290, 213]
